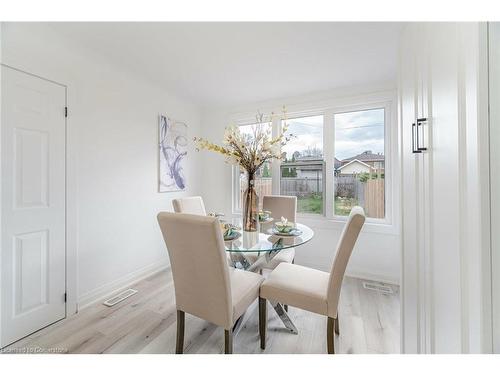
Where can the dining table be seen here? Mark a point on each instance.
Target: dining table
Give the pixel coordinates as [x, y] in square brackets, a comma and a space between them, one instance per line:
[253, 251]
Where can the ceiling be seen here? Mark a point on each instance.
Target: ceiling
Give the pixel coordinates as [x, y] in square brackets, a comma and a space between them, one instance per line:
[228, 64]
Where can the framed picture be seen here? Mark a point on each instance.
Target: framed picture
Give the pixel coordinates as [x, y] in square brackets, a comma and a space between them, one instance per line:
[173, 145]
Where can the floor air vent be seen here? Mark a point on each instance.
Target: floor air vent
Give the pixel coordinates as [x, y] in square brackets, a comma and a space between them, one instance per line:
[119, 297]
[378, 287]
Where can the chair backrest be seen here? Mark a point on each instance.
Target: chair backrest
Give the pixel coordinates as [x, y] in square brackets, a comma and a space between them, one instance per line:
[199, 266]
[189, 205]
[280, 205]
[344, 250]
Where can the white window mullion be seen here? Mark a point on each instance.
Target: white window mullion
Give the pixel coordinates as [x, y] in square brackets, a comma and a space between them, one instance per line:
[235, 176]
[329, 154]
[275, 164]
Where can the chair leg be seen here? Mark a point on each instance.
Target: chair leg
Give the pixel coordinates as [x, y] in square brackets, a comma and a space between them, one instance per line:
[330, 336]
[228, 341]
[336, 325]
[286, 306]
[262, 322]
[179, 346]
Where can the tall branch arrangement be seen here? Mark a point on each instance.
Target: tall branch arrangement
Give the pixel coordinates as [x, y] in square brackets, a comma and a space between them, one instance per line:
[249, 151]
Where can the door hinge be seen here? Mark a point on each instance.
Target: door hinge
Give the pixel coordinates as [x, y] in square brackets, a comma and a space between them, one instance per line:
[65, 297]
[65, 111]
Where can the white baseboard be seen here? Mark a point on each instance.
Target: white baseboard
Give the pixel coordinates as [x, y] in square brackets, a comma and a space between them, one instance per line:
[372, 277]
[359, 274]
[117, 285]
[126, 281]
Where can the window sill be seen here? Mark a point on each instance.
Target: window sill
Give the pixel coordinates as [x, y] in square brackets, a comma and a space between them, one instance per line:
[370, 226]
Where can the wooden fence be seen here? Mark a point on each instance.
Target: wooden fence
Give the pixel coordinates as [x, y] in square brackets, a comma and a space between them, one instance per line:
[370, 194]
[348, 186]
[374, 204]
[300, 187]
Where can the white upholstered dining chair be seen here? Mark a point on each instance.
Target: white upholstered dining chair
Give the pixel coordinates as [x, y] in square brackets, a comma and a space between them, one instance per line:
[190, 205]
[310, 289]
[195, 206]
[204, 284]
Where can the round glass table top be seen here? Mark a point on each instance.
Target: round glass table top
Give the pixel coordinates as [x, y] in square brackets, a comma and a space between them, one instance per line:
[267, 240]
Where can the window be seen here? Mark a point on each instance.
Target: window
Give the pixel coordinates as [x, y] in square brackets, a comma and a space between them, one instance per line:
[359, 167]
[339, 157]
[301, 173]
[263, 181]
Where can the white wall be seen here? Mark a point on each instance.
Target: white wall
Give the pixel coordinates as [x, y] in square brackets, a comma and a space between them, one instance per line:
[377, 253]
[112, 151]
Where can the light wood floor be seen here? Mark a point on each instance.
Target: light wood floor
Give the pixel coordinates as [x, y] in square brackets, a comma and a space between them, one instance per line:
[145, 323]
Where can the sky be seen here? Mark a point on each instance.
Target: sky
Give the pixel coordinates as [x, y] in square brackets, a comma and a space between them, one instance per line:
[355, 132]
[308, 133]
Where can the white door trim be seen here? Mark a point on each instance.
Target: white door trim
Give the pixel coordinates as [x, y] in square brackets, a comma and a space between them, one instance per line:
[71, 207]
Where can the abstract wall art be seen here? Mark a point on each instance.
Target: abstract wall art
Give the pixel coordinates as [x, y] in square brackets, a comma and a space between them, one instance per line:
[173, 145]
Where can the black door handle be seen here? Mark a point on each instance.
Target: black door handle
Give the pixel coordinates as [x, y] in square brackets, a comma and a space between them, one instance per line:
[420, 121]
[414, 140]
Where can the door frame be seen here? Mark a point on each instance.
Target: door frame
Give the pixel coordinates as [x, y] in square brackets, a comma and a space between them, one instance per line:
[71, 204]
[494, 301]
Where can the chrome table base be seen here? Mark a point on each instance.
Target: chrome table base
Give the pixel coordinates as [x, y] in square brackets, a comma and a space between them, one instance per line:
[240, 261]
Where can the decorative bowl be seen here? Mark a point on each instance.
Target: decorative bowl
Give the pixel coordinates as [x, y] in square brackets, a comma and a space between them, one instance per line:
[229, 231]
[216, 214]
[233, 236]
[284, 226]
[264, 215]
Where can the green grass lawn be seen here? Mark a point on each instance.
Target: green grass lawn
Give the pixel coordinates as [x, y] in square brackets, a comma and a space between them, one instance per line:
[313, 204]
[343, 205]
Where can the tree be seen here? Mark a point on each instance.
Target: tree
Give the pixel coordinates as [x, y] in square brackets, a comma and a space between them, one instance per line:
[313, 152]
[364, 176]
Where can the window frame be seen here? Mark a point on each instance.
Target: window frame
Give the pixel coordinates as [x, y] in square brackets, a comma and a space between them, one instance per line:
[388, 172]
[279, 127]
[384, 100]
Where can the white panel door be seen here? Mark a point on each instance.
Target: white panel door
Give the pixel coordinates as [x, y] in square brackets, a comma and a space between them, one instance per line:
[33, 250]
[444, 185]
[434, 277]
[408, 88]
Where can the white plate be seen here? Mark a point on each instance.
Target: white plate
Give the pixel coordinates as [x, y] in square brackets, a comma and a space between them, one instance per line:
[293, 233]
[268, 220]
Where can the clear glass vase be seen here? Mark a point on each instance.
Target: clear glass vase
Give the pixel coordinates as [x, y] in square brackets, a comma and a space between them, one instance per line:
[250, 206]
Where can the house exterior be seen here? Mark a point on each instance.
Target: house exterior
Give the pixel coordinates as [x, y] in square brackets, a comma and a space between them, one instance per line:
[311, 167]
[355, 167]
[306, 167]
[364, 162]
